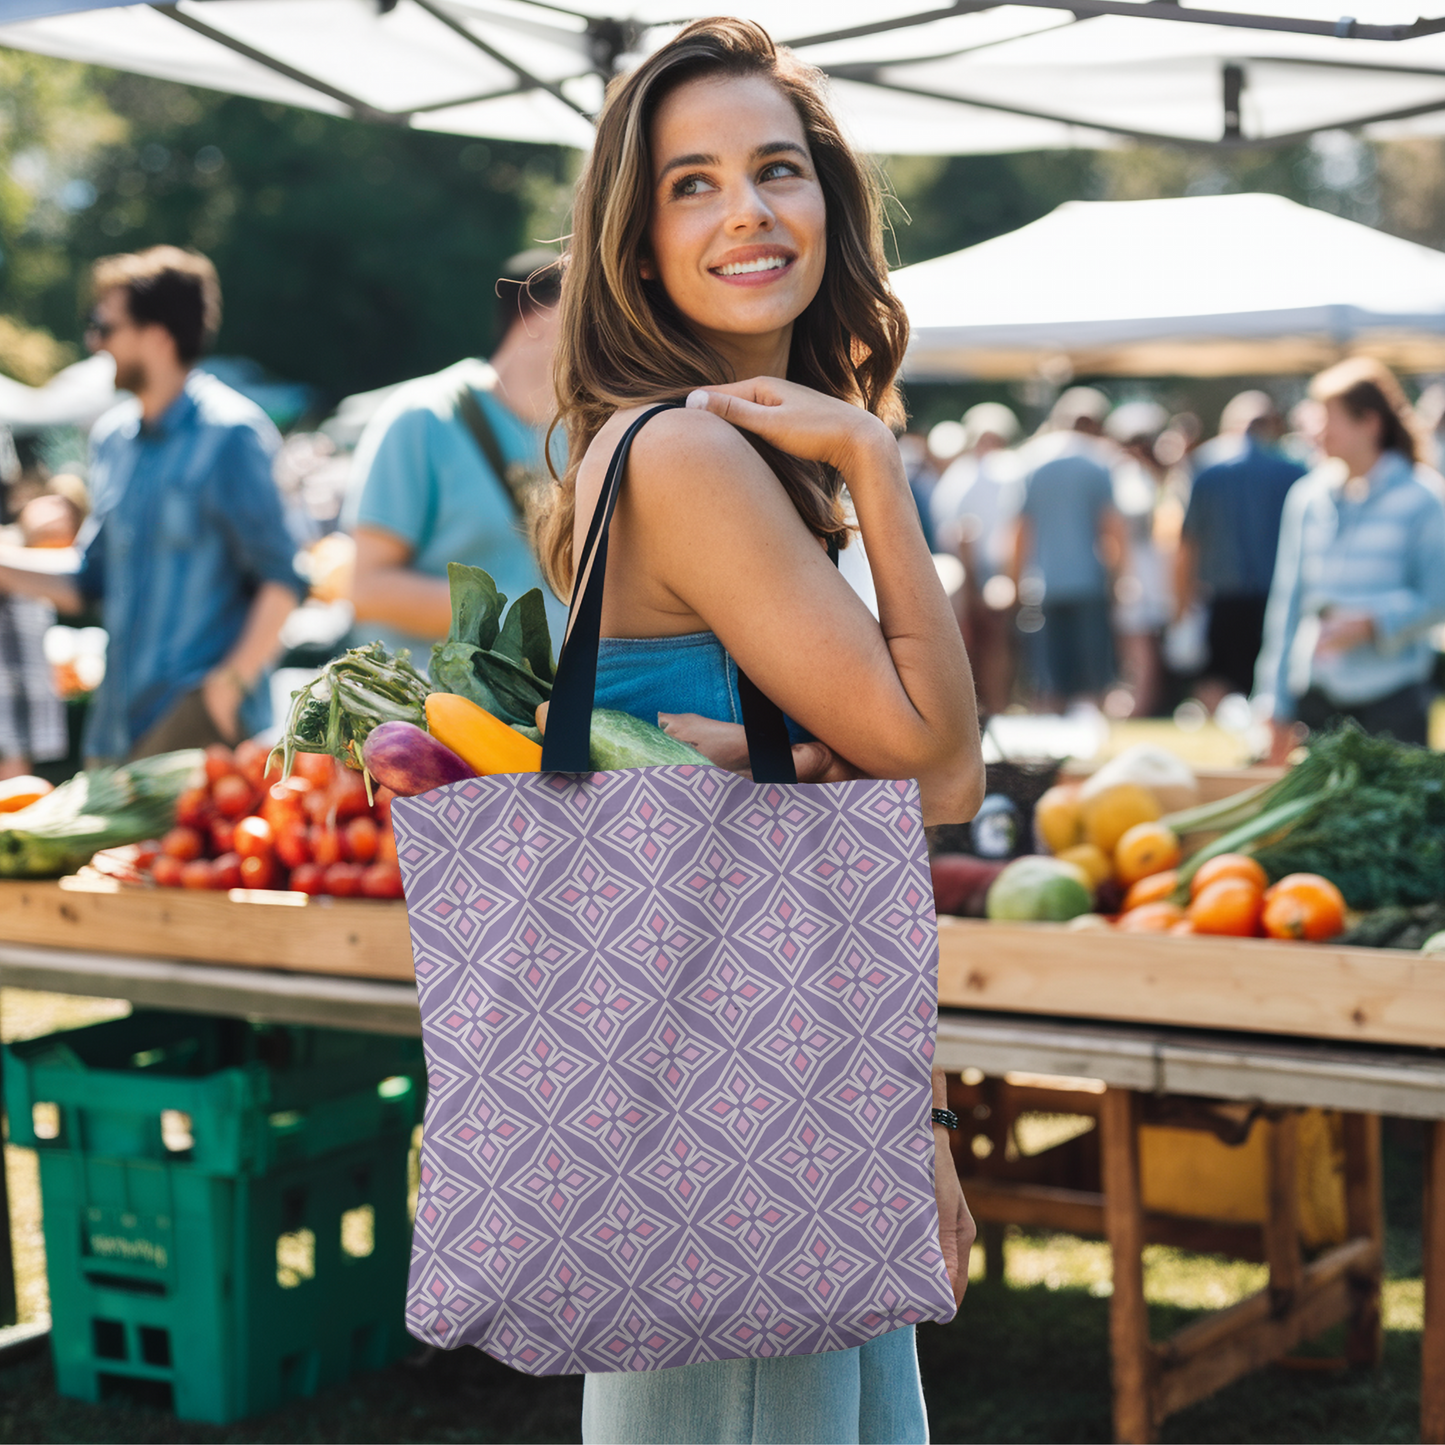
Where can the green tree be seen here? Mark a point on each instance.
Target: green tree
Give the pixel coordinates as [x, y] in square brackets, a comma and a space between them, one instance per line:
[351, 255]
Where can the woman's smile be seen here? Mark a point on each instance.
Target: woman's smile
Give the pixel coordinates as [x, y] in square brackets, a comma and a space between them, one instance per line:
[754, 265]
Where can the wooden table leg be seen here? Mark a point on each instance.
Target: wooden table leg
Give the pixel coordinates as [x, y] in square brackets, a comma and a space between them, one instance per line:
[1124, 1223]
[1281, 1225]
[1365, 1213]
[1432, 1344]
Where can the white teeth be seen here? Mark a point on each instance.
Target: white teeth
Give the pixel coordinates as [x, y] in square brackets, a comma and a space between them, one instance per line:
[745, 268]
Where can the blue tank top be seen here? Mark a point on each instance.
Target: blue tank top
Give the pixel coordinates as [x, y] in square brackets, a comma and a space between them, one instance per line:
[648, 675]
[691, 673]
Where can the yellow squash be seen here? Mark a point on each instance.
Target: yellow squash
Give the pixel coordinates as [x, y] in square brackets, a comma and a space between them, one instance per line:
[483, 741]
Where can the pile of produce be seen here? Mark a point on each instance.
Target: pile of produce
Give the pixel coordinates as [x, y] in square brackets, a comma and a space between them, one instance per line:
[1353, 836]
[55, 830]
[479, 715]
[242, 826]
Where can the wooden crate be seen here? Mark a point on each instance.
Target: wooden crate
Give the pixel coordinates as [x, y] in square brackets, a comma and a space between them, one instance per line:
[1367, 995]
[363, 938]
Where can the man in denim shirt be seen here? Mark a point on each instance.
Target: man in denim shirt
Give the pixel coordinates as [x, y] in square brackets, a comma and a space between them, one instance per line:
[1360, 578]
[187, 548]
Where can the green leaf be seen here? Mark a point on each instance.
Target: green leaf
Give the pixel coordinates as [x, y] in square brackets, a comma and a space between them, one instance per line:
[452, 670]
[476, 605]
[526, 637]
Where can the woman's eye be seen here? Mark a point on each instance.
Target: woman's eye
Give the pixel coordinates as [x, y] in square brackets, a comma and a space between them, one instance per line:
[778, 171]
[690, 186]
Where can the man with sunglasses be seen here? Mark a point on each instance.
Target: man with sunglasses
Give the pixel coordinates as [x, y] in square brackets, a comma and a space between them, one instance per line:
[186, 549]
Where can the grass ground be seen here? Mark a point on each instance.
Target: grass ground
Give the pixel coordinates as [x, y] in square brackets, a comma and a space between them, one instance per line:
[1026, 1359]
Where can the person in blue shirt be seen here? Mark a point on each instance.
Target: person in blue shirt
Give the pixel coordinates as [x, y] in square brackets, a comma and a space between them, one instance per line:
[1359, 582]
[186, 549]
[1231, 536]
[443, 472]
[1070, 542]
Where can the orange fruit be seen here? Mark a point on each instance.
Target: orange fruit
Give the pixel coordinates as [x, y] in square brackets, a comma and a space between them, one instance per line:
[1304, 905]
[1091, 860]
[1157, 917]
[1110, 814]
[1228, 865]
[1057, 819]
[1155, 888]
[1228, 905]
[1146, 848]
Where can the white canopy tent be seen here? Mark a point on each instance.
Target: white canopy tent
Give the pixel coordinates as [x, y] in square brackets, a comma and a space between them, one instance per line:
[1203, 286]
[962, 77]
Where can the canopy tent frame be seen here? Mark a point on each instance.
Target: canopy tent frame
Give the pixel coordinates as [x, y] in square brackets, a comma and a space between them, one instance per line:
[606, 40]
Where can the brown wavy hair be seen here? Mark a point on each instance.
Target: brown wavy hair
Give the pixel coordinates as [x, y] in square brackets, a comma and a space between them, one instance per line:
[622, 342]
[1366, 387]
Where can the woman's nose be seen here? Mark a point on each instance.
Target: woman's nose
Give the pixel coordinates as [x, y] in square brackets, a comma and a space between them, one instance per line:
[750, 211]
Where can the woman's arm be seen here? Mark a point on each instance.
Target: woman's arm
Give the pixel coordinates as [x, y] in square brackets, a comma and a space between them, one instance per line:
[707, 535]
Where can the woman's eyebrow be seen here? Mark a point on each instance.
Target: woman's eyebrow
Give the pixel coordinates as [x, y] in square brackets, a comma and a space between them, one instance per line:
[768, 148]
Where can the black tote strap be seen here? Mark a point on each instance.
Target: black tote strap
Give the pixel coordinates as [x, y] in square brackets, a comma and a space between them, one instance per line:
[566, 745]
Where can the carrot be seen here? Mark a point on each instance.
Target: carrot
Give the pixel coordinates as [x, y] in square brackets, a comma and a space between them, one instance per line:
[485, 742]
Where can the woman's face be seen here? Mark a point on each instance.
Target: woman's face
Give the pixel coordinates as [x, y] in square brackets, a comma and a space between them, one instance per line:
[1353, 439]
[738, 233]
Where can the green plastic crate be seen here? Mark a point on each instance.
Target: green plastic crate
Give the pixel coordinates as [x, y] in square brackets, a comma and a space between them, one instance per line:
[264, 1260]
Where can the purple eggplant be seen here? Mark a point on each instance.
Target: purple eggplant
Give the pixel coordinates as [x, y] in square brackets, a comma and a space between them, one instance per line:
[409, 760]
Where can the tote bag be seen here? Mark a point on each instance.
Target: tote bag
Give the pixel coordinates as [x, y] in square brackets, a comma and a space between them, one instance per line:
[679, 1029]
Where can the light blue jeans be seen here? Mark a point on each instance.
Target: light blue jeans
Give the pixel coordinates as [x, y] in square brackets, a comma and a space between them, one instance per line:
[867, 1396]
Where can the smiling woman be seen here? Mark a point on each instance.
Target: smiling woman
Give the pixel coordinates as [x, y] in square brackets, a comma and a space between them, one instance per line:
[727, 253]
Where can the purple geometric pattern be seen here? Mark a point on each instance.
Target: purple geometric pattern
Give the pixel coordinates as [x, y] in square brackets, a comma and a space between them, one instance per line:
[679, 1029]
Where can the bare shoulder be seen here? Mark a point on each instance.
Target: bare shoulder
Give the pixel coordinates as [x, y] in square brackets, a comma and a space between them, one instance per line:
[678, 452]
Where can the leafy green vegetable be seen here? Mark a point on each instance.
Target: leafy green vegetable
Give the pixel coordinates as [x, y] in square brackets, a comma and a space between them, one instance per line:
[504, 665]
[336, 711]
[1366, 812]
[99, 808]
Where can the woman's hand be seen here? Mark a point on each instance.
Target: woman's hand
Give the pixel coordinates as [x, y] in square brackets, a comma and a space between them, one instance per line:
[726, 744]
[798, 420]
[955, 1224]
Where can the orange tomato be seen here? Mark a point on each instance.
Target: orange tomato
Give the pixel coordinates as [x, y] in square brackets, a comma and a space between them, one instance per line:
[1229, 906]
[1157, 917]
[1154, 889]
[1304, 905]
[1228, 865]
[1146, 848]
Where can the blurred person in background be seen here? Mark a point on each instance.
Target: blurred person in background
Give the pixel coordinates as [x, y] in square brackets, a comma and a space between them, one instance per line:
[1142, 594]
[444, 471]
[974, 509]
[1359, 581]
[922, 474]
[1231, 534]
[186, 549]
[1069, 543]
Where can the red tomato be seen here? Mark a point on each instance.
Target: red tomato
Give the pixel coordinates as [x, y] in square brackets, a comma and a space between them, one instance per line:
[258, 871]
[317, 768]
[316, 803]
[254, 838]
[343, 880]
[233, 796]
[198, 873]
[292, 849]
[251, 761]
[307, 878]
[381, 808]
[283, 803]
[183, 844]
[348, 795]
[386, 847]
[361, 838]
[325, 845]
[222, 831]
[193, 808]
[146, 853]
[382, 880]
[220, 761]
[167, 871]
[227, 870]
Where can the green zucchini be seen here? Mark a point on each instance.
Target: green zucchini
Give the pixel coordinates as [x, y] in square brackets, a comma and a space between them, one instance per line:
[619, 740]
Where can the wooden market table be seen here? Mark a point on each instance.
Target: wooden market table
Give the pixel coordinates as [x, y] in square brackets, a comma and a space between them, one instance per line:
[1144, 1024]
